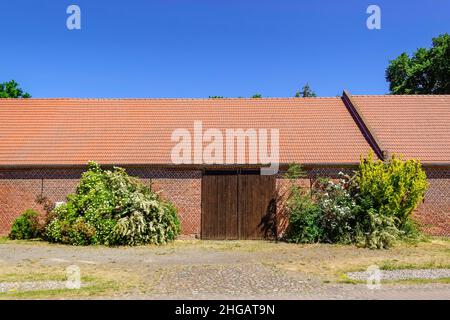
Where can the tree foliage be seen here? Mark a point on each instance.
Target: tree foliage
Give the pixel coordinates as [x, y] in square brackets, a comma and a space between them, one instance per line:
[11, 89]
[426, 72]
[306, 92]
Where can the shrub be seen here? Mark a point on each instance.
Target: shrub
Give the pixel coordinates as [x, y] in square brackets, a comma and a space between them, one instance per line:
[48, 207]
[376, 231]
[303, 226]
[337, 208]
[26, 226]
[393, 188]
[303, 212]
[373, 208]
[327, 214]
[112, 208]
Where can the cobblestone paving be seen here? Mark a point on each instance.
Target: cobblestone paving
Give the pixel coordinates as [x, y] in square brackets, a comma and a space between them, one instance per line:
[229, 280]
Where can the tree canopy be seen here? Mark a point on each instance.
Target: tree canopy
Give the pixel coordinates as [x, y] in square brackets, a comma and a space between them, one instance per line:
[306, 92]
[11, 89]
[427, 71]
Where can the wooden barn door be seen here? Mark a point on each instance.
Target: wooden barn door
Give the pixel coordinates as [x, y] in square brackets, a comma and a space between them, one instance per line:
[219, 206]
[256, 205]
[237, 206]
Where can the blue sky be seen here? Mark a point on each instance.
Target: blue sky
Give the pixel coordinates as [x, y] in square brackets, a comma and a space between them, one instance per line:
[181, 48]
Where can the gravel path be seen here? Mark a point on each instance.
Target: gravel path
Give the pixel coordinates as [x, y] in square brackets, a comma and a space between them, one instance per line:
[403, 274]
[31, 285]
[205, 270]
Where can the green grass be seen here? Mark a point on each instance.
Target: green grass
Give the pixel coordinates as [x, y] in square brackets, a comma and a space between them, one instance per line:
[395, 265]
[94, 287]
[417, 281]
[20, 277]
[343, 278]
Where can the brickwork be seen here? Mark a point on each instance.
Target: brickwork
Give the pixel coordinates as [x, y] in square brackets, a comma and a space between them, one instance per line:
[19, 189]
[434, 213]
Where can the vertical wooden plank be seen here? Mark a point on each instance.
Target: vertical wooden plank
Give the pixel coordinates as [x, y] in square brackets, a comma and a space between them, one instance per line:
[242, 206]
[232, 205]
[223, 194]
[205, 207]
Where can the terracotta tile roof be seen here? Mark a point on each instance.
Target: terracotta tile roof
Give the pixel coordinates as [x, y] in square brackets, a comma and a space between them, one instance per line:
[138, 131]
[416, 126]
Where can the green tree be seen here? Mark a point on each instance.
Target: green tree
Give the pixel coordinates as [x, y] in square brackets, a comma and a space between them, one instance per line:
[306, 92]
[11, 89]
[215, 97]
[257, 96]
[426, 72]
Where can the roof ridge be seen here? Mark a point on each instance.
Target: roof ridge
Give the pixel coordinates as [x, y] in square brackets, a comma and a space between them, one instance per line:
[401, 95]
[171, 99]
[361, 121]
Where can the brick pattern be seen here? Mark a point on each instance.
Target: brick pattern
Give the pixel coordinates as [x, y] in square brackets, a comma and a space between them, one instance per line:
[183, 188]
[433, 214]
[19, 189]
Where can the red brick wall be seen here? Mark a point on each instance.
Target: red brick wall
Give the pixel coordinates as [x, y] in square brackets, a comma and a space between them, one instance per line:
[434, 213]
[183, 188]
[19, 189]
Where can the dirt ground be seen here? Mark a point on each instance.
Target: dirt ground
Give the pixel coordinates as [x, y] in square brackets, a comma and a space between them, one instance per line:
[222, 270]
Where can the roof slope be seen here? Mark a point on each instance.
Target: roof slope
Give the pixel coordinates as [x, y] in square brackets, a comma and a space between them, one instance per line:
[415, 126]
[138, 131]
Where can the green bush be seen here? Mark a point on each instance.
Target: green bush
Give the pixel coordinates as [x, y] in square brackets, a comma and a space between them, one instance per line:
[325, 214]
[303, 212]
[26, 226]
[393, 188]
[337, 208]
[376, 231]
[373, 208]
[112, 208]
[303, 226]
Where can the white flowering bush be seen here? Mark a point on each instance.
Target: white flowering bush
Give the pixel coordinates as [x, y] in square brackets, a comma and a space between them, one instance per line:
[112, 208]
[337, 209]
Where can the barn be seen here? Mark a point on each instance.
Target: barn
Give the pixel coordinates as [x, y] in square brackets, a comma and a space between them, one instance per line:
[45, 145]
